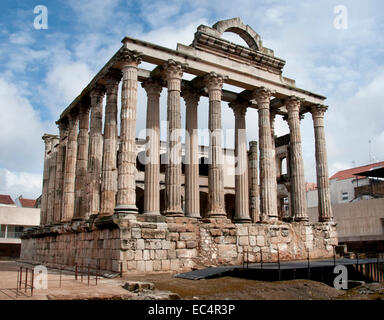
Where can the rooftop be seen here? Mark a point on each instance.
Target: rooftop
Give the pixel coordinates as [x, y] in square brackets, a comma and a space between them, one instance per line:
[351, 173]
[6, 199]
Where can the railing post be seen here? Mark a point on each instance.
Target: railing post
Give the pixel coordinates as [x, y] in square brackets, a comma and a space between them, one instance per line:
[308, 265]
[26, 279]
[21, 275]
[32, 284]
[17, 283]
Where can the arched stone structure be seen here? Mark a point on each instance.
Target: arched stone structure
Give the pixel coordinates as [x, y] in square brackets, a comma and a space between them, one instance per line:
[235, 25]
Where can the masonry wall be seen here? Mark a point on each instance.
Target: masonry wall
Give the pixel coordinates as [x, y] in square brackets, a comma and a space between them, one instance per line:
[357, 221]
[175, 245]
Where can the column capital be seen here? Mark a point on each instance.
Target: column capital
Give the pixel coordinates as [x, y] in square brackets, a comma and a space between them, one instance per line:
[129, 58]
[84, 107]
[174, 70]
[97, 91]
[293, 104]
[153, 87]
[113, 78]
[239, 108]
[191, 96]
[318, 110]
[253, 146]
[262, 96]
[73, 115]
[63, 128]
[214, 81]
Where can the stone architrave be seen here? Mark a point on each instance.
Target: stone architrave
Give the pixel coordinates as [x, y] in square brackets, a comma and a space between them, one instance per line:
[192, 196]
[70, 168]
[254, 197]
[126, 183]
[241, 170]
[82, 162]
[324, 198]
[268, 183]
[109, 170]
[44, 194]
[95, 152]
[298, 195]
[174, 72]
[214, 84]
[153, 89]
[60, 163]
[52, 181]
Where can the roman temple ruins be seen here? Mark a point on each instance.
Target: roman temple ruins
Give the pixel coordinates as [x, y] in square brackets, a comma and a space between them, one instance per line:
[101, 206]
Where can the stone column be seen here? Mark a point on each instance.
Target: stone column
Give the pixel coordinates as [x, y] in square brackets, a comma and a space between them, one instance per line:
[60, 163]
[254, 197]
[82, 162]
[241, 173]
[126, 181]
[268, 184]
[70, 168]
[51, 181]
[192, 195]
[109, 171]
[299, 201]
[152, 165]
[44, 194]
[214, 83]
[95, 152]
[324, 197]
[174, 73]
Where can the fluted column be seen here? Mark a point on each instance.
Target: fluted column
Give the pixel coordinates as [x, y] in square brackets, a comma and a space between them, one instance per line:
[152, 165]
[214, 83]
[60, 163]
[268, 184]
[324, 197]
[126, 182]
[174, 72]
[44, 194]
[109, 171]
[192, 195]
[254, 197]
[241, 170]
[70, 168]
[82, 162]
[51, 181]
[95, 152]
[298, 196]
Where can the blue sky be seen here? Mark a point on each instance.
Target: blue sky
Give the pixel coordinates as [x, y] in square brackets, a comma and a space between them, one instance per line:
[42, 71]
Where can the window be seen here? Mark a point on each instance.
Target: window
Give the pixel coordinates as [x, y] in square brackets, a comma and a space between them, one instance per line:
[344, 196]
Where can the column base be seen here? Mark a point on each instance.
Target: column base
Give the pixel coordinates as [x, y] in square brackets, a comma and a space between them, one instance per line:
[152, 213]
[174, 214]
[242, 220]
[301, 219]
[217, 215]
[126, 209]
[193, 215]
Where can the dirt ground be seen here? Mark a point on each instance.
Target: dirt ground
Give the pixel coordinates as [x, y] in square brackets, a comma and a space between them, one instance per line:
[224, 288]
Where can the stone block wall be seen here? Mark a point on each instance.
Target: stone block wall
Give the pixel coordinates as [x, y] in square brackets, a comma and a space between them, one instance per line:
[177, 244]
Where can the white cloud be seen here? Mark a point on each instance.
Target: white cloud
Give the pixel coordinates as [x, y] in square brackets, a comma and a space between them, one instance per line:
[20, 183]
[63, 83]
[20, 131]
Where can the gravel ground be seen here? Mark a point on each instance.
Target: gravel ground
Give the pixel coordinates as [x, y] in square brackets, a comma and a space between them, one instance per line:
[225, 288]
